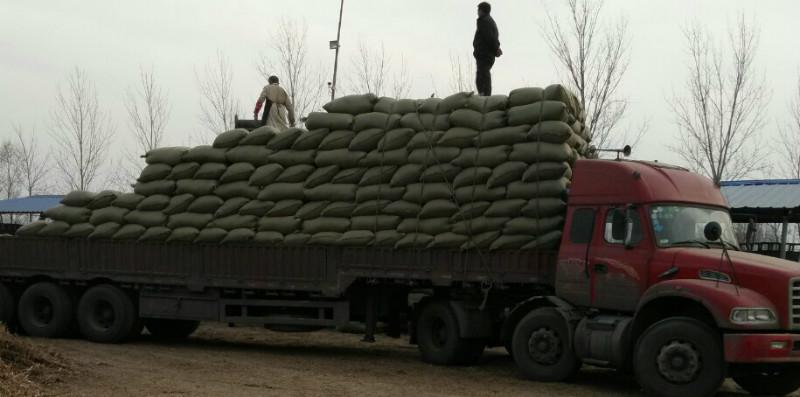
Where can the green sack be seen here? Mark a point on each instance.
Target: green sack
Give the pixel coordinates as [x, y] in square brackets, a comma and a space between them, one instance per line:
[332, 121]
[310, 140]
[154, 172]
[455, 101]
[257, 208]
[284, 140]
[476, 226]
[108, 214]
[536, 112]
[547, 241]
[525, 96]
[183, 234]
[326, 224]
[129, 232]
[237, 236]
[339, 139]
[486, 104]
[146, 218]
[206, 204]
[210, 171]
[543, 171]
[430, 226]
[103, 199]
[424, 140]
[311, 210]
[210, 236]
[237, 189]
[285, 208]
[71, 215]
[105, 231]
[232, 222]
[349, 175]
[295, 173]
[424, 192]
[268, 238]
[229, 139]
[459, 137]
[395, 139]
[325, 238]
[533, 226]
[557, 92]
[467, 118]
[386, 238]
[506, 208]
[438, 208]
[290, 157]
[259, 137]
[371, 207]
[510, 242]
[153, 203]
[506, 173]
[503, 136]
[481, 241]
[54, 229]
[165, 155]
[392, 157]
[404, 106]
[379, 192]
[183, 171]
[544, 207]
[525, 190]
[78, 198]
[296, 239]
[157, 233]
[255, 155]
[540, 152]
[339, 209]
[205, 154]
[482, 157]
[333, 192]
[378, 175]
[189, 219]
[414, 240]
[179, 203]
[343, 158]
[79, 230]
[351, 104]
[374, 223]
[283, 225]
[366, 140]
[469, 211]
[265, 174]
[550, 131]
[468, 194]
[385, 105]
[31, 229]
[359, 238]
[282, 191]
[440, 173]
[155, 187]
[377, 120]
[436, 155]
[321, 175]
[472, 176]
[231, 206]
[195, 187]
[448, 240]
[402, 209]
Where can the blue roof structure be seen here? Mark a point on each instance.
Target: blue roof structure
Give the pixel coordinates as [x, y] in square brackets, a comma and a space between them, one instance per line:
[29, 205]
[767, 199]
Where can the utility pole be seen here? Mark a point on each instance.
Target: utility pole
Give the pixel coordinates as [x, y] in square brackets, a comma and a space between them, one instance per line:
[335, 45]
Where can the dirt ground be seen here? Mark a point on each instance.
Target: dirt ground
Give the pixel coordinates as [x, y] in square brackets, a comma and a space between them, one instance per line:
[235, 362]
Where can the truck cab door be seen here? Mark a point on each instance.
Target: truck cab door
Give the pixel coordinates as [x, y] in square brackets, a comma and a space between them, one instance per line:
[619, 272]
[573, 279]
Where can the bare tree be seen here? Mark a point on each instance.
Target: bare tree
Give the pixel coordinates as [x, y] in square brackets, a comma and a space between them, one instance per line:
[81, 131]
[790, 138]
[9, 170]
[33, 165]
[595, 57]
[724, 108]
[462, 74]
[217, 104]
[148, 111]
[373, 73]
[288, 59]
[401, 80]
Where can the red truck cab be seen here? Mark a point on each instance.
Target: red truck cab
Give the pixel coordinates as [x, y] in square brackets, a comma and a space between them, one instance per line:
[643, 288]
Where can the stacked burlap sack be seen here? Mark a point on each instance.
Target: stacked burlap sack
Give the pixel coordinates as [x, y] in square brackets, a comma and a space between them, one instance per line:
[462, 172]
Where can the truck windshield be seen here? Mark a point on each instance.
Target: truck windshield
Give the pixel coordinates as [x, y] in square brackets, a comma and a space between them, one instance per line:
[680, 225]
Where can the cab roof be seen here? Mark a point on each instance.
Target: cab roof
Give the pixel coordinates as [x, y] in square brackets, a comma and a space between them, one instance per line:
[617, 182]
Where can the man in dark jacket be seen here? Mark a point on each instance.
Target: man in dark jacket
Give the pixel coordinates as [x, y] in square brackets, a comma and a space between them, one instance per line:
[486, 47]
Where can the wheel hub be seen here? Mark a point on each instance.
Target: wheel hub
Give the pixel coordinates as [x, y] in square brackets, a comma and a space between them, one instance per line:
[678, 362]
[103, 315]
[544, 346]
[43, 311]
[439, 333]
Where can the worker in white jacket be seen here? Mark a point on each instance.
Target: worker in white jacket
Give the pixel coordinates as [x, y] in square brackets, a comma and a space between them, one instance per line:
[277, 106]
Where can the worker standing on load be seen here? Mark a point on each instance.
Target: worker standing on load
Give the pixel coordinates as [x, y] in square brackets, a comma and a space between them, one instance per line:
[277, 105]
[486, 47]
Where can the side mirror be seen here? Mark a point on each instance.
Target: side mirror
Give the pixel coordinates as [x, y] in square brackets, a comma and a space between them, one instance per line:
[712, 231]
[628, 241]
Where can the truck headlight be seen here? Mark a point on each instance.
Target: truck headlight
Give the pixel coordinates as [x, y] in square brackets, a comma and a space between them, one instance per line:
[752, 315]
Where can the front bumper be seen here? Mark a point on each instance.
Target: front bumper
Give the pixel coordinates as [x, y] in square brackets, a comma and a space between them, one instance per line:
[762, 348]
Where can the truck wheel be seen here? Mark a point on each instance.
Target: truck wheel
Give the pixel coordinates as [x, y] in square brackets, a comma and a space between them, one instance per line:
[170, 329]
[7, 305]
[46, 310]
[679, 357]
[541, 347]
[106, 314]
[439, 341]
[775, 382]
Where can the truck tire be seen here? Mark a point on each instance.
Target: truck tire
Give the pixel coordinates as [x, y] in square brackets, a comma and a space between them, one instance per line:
[679, 357]
[7, 305]
[106, 314]
[541, 347]
[46, 310]
[170, 329]
[779, 381]
[439, 341]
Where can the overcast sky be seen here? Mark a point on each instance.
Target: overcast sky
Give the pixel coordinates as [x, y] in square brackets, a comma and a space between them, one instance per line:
[41, 41]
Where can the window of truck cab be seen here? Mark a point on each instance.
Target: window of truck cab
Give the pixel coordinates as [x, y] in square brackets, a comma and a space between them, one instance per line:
[680, 224]
[615, 225]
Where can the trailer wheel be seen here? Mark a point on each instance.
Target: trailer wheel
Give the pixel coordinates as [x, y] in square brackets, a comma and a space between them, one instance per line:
[170, 329]
[541, 347]
[778, 381]
[439, 341]
[7, 305]
[679, 356]
[46, 310]
[106, 314]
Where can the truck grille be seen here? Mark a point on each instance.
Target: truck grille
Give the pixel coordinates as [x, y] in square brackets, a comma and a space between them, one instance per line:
[794, 303]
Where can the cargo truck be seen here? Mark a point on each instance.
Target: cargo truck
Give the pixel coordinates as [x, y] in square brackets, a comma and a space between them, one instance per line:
[647, 278]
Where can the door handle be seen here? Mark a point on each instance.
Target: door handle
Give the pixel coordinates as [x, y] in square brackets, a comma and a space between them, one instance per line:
[601, 268]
